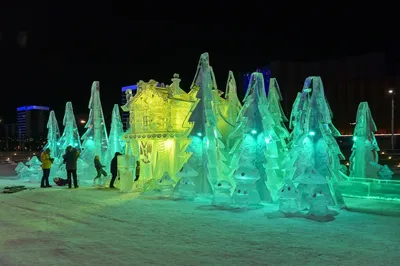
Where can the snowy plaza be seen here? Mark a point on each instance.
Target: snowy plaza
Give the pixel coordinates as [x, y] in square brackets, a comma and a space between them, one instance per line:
[205, 179]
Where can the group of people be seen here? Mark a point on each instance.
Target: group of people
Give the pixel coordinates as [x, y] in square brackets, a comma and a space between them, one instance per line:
[70, 160]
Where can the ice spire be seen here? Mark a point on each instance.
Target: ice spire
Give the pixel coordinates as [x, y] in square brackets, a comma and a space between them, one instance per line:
[116, 144]
[206, 145]
[364, 156]
[254, 151]
[315, 155]
[95, 139]
[53, 136]
[70, 136]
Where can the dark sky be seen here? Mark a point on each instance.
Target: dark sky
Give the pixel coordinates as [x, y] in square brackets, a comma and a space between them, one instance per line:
[69, 46]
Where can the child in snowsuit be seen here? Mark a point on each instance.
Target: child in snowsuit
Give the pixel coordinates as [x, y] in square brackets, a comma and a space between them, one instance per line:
[99, 167]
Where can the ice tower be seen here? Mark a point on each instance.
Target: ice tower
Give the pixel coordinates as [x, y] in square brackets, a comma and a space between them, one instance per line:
[115, 142]
[254, 154]
[364, 156]
[53, 136]
[95, 139]
[206, 145]
[70, 136]
[314, 159]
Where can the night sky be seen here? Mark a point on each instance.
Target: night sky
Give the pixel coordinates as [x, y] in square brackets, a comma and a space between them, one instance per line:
[50, 54]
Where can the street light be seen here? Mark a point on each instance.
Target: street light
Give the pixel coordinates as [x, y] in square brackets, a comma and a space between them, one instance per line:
[392, 93]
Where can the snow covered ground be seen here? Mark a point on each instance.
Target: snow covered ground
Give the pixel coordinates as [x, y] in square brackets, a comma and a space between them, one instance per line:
[89, 226]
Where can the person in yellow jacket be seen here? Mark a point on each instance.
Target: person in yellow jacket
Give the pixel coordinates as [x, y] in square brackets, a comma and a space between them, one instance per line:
[47, 161]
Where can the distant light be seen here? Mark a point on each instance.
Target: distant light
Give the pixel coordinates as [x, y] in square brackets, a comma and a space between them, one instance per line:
[33, 107]
[83, 121]
[253, 132]
[390, 91]
[390, 157]
[199, 134]
[354, 138]
[347, 164]
[312, 133]
[76, 144]
[267, 140]
[58, 143]
[131, 87]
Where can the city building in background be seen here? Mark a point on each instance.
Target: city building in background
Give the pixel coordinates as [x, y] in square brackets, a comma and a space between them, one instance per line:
[8, 136]
[31, 126]
[125, 115]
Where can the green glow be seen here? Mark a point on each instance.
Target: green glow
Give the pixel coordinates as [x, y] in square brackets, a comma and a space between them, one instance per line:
[312, 133]
[354, 138]
[253, 132]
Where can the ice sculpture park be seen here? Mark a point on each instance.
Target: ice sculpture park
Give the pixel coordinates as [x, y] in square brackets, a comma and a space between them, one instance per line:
[203, 144]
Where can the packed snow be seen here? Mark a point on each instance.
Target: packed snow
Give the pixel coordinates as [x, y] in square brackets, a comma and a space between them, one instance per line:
[89, 226]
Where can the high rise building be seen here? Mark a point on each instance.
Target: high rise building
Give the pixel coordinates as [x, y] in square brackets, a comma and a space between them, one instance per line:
[31, 122]
[125, 115]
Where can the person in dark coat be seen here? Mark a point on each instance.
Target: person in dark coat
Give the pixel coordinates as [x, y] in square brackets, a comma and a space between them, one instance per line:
[70, 158]
[114, 169]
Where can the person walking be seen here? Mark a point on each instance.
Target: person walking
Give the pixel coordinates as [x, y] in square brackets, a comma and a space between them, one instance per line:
[70, 158]
[99, 168]
[114, 169]
[47, 161]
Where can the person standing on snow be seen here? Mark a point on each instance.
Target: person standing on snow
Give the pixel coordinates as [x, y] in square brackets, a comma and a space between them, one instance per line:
[47, 161]
[114, 169]
[70, 158]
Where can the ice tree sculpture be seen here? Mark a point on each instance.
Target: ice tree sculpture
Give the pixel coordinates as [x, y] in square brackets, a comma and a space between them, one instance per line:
[206, 145]
[53, 136]
[315, 156]
[70, 136]
[364, 157]
[228, 108]
[254, 151]
[116, 144]
[95, 139]
[275, 109]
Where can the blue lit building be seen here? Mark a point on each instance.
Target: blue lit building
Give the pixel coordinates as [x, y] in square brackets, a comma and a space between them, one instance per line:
[266, 73]
[125, 115]
[31, 122]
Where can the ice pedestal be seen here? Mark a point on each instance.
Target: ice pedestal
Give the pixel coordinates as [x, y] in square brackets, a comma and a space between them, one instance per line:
[127, 169]
[185, 189]
[289, 198]
[163, 186]
[222, 194]
[246, 192]
[319, 204]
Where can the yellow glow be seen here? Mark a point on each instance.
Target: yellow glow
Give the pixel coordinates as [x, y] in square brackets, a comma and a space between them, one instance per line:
[390, 157]
[347, 164]
[383, 152]
[159, 128]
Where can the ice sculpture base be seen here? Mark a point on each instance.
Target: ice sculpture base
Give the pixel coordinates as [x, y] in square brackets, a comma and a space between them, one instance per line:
[370, 188]
[289, 205]
[245, 195]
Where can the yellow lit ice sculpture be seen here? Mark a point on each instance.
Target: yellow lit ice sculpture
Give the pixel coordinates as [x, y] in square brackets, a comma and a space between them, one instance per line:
[159, 128]
[206, 144]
